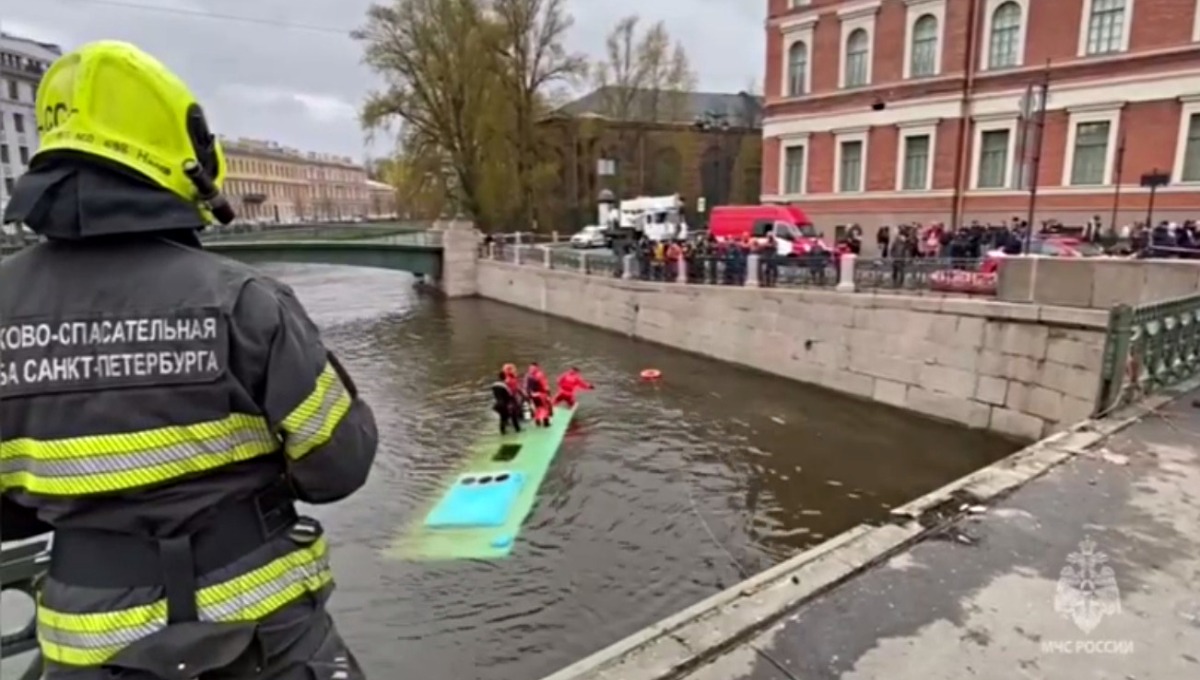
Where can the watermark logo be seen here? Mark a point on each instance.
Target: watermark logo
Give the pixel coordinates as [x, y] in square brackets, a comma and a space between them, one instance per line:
[1087, 588]
[1087, 592]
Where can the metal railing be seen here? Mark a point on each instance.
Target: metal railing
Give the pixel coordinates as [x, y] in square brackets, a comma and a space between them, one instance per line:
[907, 275]
[547, 257]
[1148, 348]
[938, 274]
[21, 569]
[322, 232]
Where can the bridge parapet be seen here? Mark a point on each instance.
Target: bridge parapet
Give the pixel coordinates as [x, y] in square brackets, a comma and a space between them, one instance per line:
[1096, 282]
[460, 258]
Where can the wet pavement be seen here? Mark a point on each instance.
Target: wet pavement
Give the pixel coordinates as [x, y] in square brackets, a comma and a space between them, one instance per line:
[662, 494]
[1091, 571]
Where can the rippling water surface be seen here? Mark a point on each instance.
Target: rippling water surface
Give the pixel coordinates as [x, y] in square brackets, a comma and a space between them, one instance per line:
[662, 494]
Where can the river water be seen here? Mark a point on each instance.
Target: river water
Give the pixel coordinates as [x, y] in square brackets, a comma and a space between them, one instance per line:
[662, 494]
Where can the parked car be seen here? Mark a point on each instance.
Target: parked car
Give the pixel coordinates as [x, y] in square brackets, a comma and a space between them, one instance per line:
[588, 237]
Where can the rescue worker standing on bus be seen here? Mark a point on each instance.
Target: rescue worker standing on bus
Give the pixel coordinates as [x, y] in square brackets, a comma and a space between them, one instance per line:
[163, 407]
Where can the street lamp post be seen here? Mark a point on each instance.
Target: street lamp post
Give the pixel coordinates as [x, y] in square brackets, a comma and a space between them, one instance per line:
[719, 123]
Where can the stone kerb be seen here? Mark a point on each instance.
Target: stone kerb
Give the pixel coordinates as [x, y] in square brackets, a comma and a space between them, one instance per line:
[1095, 283]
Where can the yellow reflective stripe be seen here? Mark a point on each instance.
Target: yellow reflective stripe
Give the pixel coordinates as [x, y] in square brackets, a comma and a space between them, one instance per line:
[311, 424]
[103, 463]
[92, 639]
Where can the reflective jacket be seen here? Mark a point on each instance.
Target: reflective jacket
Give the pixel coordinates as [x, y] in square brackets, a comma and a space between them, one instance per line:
[146, 387]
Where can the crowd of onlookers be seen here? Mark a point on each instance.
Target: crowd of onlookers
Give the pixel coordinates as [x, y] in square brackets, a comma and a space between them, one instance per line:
[707, 260]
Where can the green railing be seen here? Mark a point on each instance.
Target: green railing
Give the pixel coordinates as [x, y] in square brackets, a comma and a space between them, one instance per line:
[320, 232]
[21, 567]
[1148, 348]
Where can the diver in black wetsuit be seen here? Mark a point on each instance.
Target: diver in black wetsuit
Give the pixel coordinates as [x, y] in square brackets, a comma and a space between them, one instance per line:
[506, 405]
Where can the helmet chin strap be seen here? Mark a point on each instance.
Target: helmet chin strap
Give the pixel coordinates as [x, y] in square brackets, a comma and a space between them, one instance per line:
[216, 202]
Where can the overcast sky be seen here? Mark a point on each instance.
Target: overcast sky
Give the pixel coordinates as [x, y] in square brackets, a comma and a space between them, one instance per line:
[302, 87]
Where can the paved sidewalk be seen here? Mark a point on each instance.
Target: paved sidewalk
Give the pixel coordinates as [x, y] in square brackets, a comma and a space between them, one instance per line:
[1014, 591]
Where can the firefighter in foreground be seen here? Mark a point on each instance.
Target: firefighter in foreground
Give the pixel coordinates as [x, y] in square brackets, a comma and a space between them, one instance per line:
[163, 407]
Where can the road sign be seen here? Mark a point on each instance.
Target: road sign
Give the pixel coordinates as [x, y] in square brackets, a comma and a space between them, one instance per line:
[1156, 179]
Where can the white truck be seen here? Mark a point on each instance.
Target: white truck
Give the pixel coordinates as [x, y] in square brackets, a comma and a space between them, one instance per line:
[658, 218]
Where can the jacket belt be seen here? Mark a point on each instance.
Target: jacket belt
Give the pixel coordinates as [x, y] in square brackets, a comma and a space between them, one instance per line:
[104, 559]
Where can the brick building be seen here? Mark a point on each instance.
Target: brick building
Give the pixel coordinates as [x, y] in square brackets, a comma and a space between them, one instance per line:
[22, 63]
[696, 144]
[267, 182]
[882, 111]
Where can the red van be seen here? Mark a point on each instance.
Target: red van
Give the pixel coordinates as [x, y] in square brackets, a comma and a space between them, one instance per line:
[794, 232]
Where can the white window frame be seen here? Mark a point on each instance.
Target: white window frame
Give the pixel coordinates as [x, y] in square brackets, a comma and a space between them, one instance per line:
[797, 4]
[916, 10]
[853, 17]
[1190, 106]
[986, 44]
[1085, 18]
[994, 123]
[916, 129]
[840, 137]
[1101, 113]
[1196, 23]
[788, 142]
[793, 32]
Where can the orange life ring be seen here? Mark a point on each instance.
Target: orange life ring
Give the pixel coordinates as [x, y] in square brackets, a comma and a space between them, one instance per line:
[651, 374]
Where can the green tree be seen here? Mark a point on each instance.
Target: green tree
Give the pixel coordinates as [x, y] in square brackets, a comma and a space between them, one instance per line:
[438, 61]
[467, 81]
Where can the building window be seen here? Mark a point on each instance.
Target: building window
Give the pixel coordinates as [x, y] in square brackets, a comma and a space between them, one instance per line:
[993, 159]
[850, 166]
[797, 68]
[1191, 150]
[858, 51]
[8, 185]
[1005, 40]
[1091, 151]
[793, 170]
[1106, 27]
[13, 93]
[18, 122]
[23, 154]
[4, 153]
[925, 46]
[916, 163]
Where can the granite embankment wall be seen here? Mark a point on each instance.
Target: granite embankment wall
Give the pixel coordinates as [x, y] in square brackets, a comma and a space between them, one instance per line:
[1023, 370]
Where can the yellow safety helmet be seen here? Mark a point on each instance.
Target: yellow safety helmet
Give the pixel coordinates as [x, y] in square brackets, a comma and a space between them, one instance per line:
[111, 100]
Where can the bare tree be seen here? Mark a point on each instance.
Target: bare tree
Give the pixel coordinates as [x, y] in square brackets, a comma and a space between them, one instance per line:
[530, 43]
[645, 78]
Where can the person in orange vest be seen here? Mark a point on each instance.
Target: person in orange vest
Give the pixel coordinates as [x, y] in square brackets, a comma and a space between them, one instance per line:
[569, 383]
[538, 389]
[674, 257]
